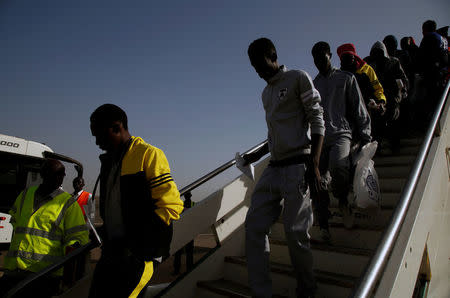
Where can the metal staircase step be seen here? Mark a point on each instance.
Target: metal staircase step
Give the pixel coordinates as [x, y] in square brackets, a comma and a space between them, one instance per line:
[411, 142]
[228, 288]
[399, 160]
[394, 160]
[391, 185]
[363, 219]
[403, 150]
[284, 282]
[389, 171]
[354, 238]
[388, 199]
[357, 237]
[337, 259]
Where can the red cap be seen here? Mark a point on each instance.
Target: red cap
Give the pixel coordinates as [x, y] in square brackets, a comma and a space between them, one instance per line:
[346, 48]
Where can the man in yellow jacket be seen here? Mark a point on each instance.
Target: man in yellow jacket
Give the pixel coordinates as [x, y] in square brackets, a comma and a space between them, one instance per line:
[47, 223]
[138, 202]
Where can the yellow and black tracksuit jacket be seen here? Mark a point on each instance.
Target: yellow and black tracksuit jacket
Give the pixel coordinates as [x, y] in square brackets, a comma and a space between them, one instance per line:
[148, 197]
[367, 70]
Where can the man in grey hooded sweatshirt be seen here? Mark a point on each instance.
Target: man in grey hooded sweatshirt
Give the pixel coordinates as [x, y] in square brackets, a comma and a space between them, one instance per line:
[346, 120]
[295, 134]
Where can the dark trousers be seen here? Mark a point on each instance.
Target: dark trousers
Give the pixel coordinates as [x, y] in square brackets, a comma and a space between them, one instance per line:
[116, 274]
[378, 125]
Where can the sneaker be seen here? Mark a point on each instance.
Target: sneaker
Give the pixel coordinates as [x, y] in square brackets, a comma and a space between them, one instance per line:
[347, 216]
[325, 236]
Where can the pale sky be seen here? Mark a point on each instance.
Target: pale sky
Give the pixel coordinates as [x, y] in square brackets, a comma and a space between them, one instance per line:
[178, 68]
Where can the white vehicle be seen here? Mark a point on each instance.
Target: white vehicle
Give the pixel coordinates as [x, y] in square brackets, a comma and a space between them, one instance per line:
[20, 161]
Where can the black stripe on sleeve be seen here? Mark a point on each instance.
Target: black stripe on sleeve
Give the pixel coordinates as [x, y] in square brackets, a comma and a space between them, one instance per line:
[158, 177]
[165, 181]
[161, 179]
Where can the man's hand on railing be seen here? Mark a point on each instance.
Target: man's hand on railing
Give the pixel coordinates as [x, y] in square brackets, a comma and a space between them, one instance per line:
[249, 158]
[255, 155]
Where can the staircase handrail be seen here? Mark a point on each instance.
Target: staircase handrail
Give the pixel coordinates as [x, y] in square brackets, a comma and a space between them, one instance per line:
[217, 171]
[374, 270]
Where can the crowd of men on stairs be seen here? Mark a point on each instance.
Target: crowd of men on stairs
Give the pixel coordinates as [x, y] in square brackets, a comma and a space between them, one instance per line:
[312, 125]
[359, 103]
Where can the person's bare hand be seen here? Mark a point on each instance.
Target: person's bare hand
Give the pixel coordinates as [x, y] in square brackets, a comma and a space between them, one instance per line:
[382, 108]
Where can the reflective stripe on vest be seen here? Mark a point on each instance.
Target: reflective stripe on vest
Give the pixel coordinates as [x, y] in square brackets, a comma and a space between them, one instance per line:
[63, 211]
[77, 229]
[37, 232]
[33, 256]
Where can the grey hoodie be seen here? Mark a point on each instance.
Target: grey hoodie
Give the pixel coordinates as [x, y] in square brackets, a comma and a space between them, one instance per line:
[380, 45]
[345, 113]
[390, 73]
[293, 112]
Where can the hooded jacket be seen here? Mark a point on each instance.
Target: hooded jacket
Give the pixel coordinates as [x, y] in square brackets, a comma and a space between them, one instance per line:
[344, 110]
[389, 72]
[293, 113]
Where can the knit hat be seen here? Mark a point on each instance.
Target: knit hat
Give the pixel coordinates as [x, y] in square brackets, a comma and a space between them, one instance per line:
[346, 48]
[349, 48]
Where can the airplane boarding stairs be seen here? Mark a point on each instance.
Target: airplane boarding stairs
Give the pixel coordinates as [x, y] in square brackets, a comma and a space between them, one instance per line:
[337, 265]
[342, 266]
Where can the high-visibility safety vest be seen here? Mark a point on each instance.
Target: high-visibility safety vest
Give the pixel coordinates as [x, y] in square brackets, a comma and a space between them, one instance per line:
[41, 236]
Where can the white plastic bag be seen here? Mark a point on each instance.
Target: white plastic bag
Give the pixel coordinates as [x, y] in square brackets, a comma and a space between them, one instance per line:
[366, 187]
